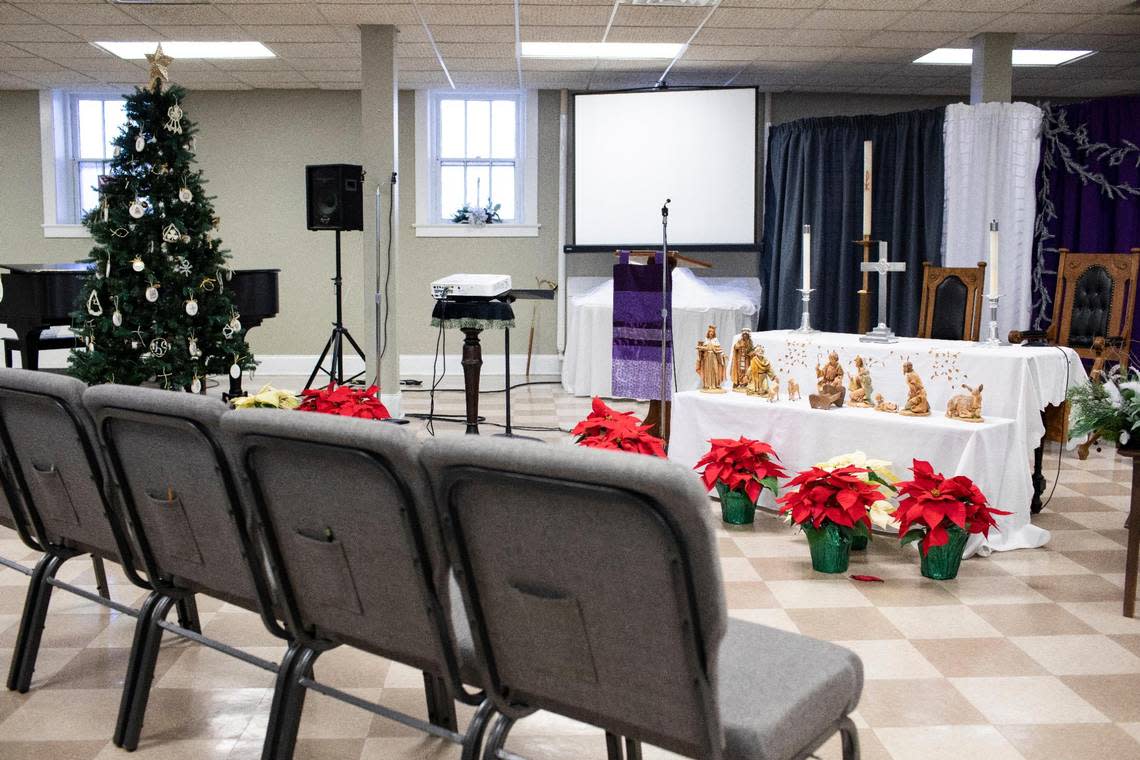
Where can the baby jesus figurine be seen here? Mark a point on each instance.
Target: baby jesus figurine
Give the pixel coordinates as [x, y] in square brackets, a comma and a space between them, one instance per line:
[711, 363]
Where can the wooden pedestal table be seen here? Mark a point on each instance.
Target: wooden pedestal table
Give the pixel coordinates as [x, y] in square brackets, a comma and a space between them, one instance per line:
[1132, 563]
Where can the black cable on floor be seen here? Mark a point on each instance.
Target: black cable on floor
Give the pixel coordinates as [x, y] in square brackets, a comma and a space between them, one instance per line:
[1061, 445]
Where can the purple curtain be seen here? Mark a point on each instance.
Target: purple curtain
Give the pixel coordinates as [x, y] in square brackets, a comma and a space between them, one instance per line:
[1088, 189]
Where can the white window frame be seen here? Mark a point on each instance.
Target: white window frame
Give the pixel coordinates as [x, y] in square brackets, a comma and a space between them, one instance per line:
[58, 125]
[428, 222]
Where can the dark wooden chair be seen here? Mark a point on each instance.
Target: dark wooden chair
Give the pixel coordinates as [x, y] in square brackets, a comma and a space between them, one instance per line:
[951, 306]
[1095, 298]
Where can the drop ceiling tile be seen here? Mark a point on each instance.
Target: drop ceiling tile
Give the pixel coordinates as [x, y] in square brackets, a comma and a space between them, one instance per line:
[10, 51]
[333, 76]
[556, 64]
[54, 50]
[801, 54]
[358, 13]
[248, 64]
[78, 13]
[210, 84]
[57, 79]
[659, 15]
[18, 65]
[844, 38]
[177, 15]
[11, 14]
[562, 33]
[498, 63]
[563, 15]
[117, 32]
[475, 15]
[1123, 24]
[423, 79]
[318, 64]
[870, 20]
[477, 49]
[718, 36]
[485, 78]
[8, 82]
[723, 52]
[650, 34]
[33, 33]
[340, 86]
[292, 33]
[882, 55]
[928, 40]
[1047, 23]
[758, 18]
[415, 50]
[451, 33]
[226, 32]
[275, 13]
[544, 79]
[877, 5]
[259, 77]
[1061, 6]
[942, 21]
[1073, 41]
[981, 6]
[290, 50]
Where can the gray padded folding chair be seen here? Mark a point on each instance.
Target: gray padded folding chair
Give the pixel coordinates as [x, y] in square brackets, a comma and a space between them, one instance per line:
[345, 516]
[593, 590]
[184, 506]
[55, 496]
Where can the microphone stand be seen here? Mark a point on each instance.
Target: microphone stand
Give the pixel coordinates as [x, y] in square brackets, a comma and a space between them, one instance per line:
[664, 314]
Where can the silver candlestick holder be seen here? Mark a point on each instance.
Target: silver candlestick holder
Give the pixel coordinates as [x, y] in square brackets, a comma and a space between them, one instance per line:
[805, 316]
[992, 338]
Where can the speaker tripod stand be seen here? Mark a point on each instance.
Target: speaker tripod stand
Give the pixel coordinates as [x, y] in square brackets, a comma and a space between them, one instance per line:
[336, 340]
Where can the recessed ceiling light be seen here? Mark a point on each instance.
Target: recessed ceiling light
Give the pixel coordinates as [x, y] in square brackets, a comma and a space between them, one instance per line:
[193, 49]
[624, 50]
[1028, 57]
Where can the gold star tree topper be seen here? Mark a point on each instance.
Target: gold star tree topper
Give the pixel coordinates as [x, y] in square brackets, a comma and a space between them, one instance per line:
[159, 62]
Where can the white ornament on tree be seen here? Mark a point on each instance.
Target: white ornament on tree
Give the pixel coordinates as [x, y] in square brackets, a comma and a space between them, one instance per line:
[171, 234]
[140, 144]
[192, 347]
[235, 371]
[192, 307]
[137, 264]
[185, 195]
[174, 119]
[117, 316]
[182, 266]
[185, 238]
[159, 347]
[137, 209]
[152, 293]
[196, 385]
[94, 308]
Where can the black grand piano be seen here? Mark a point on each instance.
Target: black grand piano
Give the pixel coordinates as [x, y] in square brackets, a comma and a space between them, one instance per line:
[39, 296]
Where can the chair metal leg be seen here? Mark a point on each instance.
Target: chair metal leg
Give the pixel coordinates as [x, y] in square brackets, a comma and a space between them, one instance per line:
[288, 703]
[440, 705]
[188, 614]
[850, 738]
[32, 622]
[142, 626]
[144, 678]
[613, 747]
[498, 737]
[473, 739]
[100, 577]
[632, 749]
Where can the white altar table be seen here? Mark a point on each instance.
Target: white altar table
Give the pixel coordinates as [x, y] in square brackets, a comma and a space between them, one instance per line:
[987, 452]
[730, 303]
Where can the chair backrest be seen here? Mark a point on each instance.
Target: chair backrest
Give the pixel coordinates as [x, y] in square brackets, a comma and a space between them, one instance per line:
[178, 490]
[1095, 298]
[951, 307]
[57, 472]
[349, 532]
[591, 582]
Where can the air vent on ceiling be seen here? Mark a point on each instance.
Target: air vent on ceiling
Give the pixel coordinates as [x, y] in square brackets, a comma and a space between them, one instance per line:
[676, 3]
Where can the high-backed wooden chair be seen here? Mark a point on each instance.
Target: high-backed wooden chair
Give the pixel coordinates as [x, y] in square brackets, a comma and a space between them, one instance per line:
[951, 302]
[1095, 298]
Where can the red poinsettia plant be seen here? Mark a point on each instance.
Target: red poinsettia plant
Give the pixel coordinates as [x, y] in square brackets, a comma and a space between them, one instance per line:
[606, 428]
[840, 497]
[743, 465]
[345, 401]
[932, 504]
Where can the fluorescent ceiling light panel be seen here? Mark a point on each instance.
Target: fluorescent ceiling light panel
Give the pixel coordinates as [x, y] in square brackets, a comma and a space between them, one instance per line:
[1028, 57]
[198, 49]
[616, 50]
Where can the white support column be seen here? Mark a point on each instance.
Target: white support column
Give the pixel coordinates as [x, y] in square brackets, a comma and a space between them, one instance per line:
[991, 74]
[379, 132]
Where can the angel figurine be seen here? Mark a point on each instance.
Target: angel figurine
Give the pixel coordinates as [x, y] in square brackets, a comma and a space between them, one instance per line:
[741, 358]
[916, 403]
[860, 385]
[710, 362]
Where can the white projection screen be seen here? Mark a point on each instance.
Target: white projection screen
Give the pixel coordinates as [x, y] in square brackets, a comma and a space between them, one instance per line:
[632, 150]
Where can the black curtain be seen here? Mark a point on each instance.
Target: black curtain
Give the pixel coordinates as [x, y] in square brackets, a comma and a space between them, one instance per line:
[815, 176]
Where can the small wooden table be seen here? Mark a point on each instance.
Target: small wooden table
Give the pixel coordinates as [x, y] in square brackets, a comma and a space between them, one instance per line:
[1132, 563]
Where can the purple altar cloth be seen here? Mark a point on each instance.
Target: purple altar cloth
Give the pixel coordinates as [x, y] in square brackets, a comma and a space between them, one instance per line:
[637, 330]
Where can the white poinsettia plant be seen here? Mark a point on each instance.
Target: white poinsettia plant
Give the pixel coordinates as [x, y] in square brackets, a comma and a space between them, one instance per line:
[878, 472]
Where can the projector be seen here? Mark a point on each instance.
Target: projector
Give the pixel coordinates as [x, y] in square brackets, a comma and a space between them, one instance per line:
[471, 286]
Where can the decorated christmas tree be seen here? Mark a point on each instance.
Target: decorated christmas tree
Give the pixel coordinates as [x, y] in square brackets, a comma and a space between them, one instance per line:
[156, 305]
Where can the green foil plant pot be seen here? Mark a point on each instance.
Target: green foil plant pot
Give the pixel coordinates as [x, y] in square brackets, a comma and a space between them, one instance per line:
[859, 543]
[941, 563]
[830, 548]
[735, 507]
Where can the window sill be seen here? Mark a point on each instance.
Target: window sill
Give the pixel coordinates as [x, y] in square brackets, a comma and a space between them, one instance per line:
[469, 231]
[65, 231]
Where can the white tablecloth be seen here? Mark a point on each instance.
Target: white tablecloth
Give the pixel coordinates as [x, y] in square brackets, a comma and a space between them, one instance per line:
[730, 303]
[1019, 381]
[987, 452]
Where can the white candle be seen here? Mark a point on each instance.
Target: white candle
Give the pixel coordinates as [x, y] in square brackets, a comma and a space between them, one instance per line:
[866, 188]
[994, 257]
[806, 267]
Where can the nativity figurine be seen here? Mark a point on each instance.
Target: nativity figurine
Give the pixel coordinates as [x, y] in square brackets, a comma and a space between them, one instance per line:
[774, 390]
[882, 405]
[759, 373]
[916, 403]
[829, 384]
[741, 357]
[710, 363]
[966, 407]
[860, 385]
[793, 389]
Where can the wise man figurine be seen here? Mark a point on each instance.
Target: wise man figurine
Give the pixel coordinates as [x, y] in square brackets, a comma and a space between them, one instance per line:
[710, 362]
[916, 402]
[759, 373]
[860, 385]
[741, 357]
[829, 384]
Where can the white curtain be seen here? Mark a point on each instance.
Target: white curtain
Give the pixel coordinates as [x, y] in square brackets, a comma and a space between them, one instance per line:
[991, 154]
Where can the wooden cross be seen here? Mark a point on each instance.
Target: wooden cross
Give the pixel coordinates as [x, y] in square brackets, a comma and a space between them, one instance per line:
[883, 266]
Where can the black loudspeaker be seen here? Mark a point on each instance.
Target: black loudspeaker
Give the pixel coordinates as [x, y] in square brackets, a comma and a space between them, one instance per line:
[334, 195]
